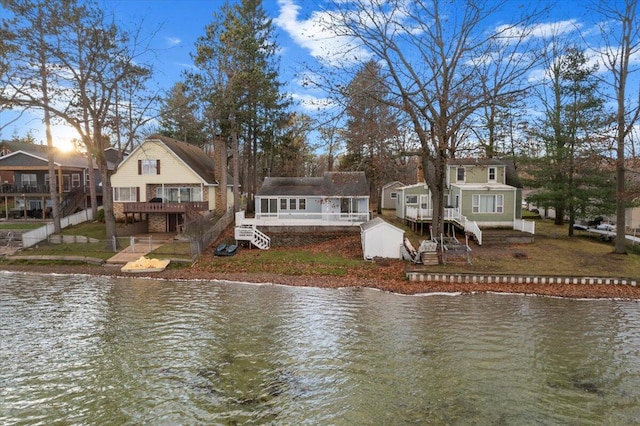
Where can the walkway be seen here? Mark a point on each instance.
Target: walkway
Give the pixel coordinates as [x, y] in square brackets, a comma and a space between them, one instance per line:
[142, 244]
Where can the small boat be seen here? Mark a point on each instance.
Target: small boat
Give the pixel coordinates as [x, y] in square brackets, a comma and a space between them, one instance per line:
[221, 250]
[231, 249]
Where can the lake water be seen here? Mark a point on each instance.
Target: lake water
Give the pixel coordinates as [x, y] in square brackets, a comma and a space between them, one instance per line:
[91, 350]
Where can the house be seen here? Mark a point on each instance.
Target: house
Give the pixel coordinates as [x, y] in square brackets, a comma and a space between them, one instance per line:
[335, 202]
[381, 239]
[168, 183]
[24, 171]
[479, 193]
[389, 194]
[333, 199]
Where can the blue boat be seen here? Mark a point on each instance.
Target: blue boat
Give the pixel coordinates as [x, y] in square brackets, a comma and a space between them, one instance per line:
[221, 250]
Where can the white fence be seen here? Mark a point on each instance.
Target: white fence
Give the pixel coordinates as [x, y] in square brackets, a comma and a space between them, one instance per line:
[525, 226]
[32, 238]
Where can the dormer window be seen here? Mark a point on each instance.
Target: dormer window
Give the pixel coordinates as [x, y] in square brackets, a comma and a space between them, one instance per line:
[493, 174]
[460, 174]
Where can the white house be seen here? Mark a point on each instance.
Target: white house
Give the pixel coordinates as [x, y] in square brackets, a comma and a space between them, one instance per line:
[381, 239]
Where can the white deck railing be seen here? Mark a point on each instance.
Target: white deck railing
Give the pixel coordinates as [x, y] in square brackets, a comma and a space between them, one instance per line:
[325, 217]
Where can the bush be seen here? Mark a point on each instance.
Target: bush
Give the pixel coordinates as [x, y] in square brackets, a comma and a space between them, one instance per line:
[100, 216]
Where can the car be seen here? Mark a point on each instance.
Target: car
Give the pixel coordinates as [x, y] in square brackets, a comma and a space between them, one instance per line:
[606, 227]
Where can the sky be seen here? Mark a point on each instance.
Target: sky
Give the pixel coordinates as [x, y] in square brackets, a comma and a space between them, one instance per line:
[176, 25]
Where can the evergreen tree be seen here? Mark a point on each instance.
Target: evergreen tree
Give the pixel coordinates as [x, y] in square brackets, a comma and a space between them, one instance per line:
[571, 173]
[238, 81]
[178, 119]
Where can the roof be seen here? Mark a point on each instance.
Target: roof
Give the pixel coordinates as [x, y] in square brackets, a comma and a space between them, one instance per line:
[475, 162]
[395, 183]
[376, 221]
[332, 184]
[39, 152]
[192, 155]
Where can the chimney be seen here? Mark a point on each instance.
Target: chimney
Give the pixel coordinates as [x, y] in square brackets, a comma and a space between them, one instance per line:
[420, 175]
[220, 172]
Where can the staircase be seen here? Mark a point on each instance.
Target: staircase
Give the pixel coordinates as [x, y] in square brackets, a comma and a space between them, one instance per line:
[72, 202]
[253, 235]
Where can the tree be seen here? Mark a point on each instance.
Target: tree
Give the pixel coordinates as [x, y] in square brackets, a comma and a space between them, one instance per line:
[237, 80]
[621, 34]
[370, 129]
[570, 171]
[90, 58]
[178, 118]
[435, 54]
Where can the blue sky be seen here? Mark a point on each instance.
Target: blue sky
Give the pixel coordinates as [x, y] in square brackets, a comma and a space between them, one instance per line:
[180, 22]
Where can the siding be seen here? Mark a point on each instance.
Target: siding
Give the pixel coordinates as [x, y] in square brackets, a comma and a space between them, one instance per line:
[172, 171]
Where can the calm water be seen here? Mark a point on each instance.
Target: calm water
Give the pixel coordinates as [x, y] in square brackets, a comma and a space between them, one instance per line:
[85, 350]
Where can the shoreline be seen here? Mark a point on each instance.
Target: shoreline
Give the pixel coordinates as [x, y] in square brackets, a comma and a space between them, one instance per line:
[391, 285]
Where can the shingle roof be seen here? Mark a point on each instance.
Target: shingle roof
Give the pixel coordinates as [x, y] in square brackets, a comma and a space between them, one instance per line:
[63, 158]
[332, 184]
[191, 155]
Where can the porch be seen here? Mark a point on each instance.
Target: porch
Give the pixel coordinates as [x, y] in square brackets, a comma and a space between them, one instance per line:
[306, 219]
[164, 207]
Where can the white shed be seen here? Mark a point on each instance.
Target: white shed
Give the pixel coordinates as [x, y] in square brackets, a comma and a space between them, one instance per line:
[381, 239]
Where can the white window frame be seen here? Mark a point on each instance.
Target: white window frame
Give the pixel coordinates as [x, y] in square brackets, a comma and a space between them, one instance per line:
[464, 174]
[148, 167]
[498, 203]
[118, 193]
[492, 170]
[394, 195]
[193, 191]
[75, 180]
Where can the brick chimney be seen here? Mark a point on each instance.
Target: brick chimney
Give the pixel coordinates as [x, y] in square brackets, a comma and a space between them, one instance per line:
[220, 164]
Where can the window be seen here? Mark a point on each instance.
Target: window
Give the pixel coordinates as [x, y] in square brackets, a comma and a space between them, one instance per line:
[412, 199]
[283, 204]
[302, 204]
[460, 177]
[148, 167]
[268, 205]
[75, 180]
[125, 194]
[492, 174]
[394, 195]
[28, 179]
[179, 194]
[293, 205]
[487, 203]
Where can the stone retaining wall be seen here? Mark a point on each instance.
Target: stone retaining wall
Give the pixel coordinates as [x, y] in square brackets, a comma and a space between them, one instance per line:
[515, 279]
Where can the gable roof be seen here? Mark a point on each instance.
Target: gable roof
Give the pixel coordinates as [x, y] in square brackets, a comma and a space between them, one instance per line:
[332, 184]
[25, 154]
[393, 184]
[191, 155]
[377, 221]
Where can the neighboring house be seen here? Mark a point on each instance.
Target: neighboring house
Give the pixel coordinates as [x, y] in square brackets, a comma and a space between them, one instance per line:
[390, 194]
[24, 171]
[169, 183]
[381, 239]
[486, 192]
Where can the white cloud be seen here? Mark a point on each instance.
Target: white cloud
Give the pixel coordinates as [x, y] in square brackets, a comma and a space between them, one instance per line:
[314, 35]
[311, 104]
[172, 41]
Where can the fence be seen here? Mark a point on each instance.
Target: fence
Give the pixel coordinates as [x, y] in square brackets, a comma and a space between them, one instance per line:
[31, 238]
[204, 232]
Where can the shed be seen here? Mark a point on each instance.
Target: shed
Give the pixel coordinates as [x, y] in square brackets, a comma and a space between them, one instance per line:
[381, 239]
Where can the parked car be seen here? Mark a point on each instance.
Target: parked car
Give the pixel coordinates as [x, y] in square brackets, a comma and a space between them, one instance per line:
[606, 227]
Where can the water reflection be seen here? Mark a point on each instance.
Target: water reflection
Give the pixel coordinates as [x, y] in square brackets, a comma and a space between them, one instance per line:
[129, 351]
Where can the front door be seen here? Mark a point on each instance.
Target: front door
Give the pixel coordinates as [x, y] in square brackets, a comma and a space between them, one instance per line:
[172, 224]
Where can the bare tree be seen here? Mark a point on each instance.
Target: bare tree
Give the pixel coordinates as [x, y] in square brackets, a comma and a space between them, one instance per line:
[90, 57]
[438, 57]
[621, 34]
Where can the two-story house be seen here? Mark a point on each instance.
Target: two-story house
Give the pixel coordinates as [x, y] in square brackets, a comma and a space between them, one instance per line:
[486, 192]
[168, 183]
[25, 179]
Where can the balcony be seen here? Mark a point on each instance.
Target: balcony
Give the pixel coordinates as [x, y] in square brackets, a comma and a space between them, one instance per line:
[164, 207]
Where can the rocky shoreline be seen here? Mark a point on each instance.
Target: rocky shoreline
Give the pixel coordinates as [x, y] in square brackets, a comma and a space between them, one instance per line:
[393, 285]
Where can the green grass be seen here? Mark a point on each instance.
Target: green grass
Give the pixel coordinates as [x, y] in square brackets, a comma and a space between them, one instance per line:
[95, 230]
[20, 225]
[288, 262]
[97, 250]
